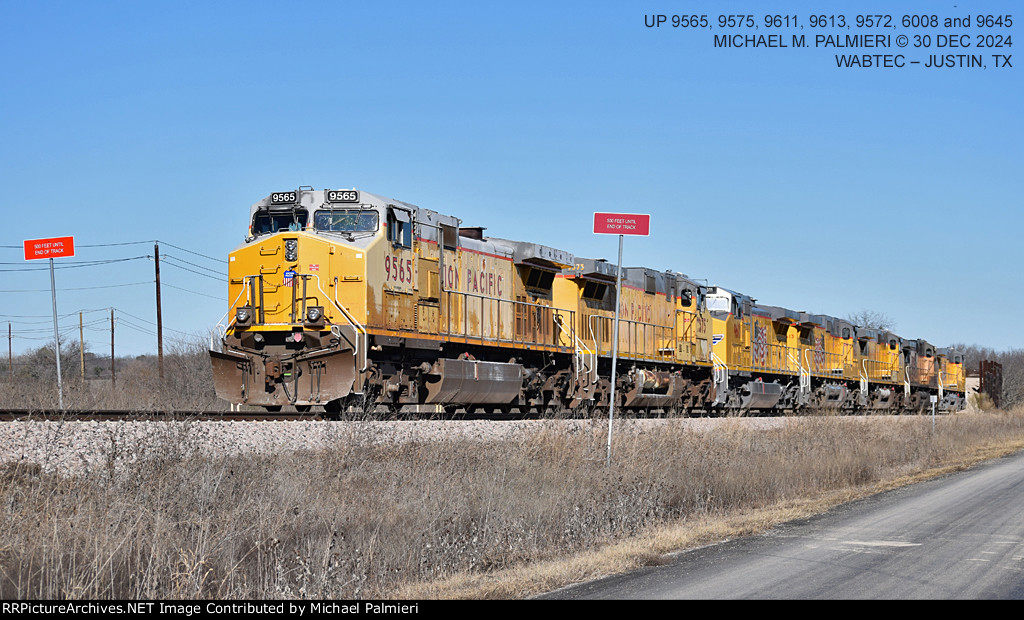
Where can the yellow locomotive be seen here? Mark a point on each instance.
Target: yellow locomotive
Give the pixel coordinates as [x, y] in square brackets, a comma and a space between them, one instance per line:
[342, 297]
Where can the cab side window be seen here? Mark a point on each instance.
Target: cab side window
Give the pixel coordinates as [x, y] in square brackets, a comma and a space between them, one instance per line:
[399, 228]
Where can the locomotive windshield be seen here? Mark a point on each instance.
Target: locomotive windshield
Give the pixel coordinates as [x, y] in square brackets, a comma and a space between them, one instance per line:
[266, 222]
[720, 302]
[346, 220]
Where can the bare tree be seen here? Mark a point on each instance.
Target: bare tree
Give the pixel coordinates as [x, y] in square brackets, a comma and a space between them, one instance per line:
[1013, 369]
[872, 320]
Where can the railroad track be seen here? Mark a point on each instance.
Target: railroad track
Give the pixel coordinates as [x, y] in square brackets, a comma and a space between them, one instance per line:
[87, 415]
[128, 415]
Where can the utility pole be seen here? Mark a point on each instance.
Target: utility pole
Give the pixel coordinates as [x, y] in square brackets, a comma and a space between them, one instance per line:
[159, 316]
[111, 348]
[10, 356]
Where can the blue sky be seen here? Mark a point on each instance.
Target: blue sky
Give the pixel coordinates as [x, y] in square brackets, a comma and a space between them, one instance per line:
[768, 171]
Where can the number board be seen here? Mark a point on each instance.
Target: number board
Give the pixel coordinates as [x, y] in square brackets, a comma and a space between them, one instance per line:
[284, 198]
[342, 195]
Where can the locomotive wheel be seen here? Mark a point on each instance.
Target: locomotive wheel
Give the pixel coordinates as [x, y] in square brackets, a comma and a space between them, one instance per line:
[273, 408]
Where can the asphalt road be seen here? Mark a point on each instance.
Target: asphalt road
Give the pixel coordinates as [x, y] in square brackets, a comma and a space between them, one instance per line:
[956, 537]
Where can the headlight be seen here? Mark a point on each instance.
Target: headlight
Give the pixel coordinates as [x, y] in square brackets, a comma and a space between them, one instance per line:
[291, 250]
[243, 314]
[314, 314]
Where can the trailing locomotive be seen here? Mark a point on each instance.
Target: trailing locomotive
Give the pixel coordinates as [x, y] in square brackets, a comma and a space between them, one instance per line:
[342, 297]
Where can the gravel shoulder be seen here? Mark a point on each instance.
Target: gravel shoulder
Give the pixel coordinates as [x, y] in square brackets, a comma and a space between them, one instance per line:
[79, 447]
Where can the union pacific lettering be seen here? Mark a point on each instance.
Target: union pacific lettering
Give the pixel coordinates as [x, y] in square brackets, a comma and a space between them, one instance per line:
[483, 282]
[451, 279]
[483, 273]
[638, 305]
[632, 311]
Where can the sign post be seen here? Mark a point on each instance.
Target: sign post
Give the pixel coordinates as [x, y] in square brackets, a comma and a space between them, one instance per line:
[49, 248]
[618, 224]
[934, 400]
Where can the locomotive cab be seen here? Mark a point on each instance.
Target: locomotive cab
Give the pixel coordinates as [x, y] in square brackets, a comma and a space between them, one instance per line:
[730, 321]
[294, 333]
[950, 376]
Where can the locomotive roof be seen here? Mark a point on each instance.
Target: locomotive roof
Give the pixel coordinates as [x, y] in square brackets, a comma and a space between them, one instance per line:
[310, 199]
[592, 269]
[740, 297]
[780, 314]
[537, 255]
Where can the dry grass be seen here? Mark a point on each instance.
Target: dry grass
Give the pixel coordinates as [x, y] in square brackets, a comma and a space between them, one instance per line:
[186, 385]
[446, 519]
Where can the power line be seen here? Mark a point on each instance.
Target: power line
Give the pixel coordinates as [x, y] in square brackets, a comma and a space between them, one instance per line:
[62, 316]
[219, 260]
[65, 325]
[108, 245]
[65, 265]
[123, 243]
[136, 328]
[139, 318]
[205, 275]
[175, 258]
[193, 292]
[75, 288]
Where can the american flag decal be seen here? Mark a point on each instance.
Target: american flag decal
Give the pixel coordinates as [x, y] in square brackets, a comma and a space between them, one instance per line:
[314, 267]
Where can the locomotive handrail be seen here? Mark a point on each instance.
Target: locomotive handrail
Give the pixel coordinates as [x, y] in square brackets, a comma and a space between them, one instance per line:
[688, 334]
[805, 373]
[689, 324]
[352, 321]
[245, 285]
[579, 355]
[577, 343]
[774, 356]
[632, 338]
[880, 370]
[720, 376]
[831, 364]
[465, 295]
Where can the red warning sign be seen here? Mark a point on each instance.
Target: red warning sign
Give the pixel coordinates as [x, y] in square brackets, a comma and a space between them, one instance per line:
[622, 224]
[49, 248]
